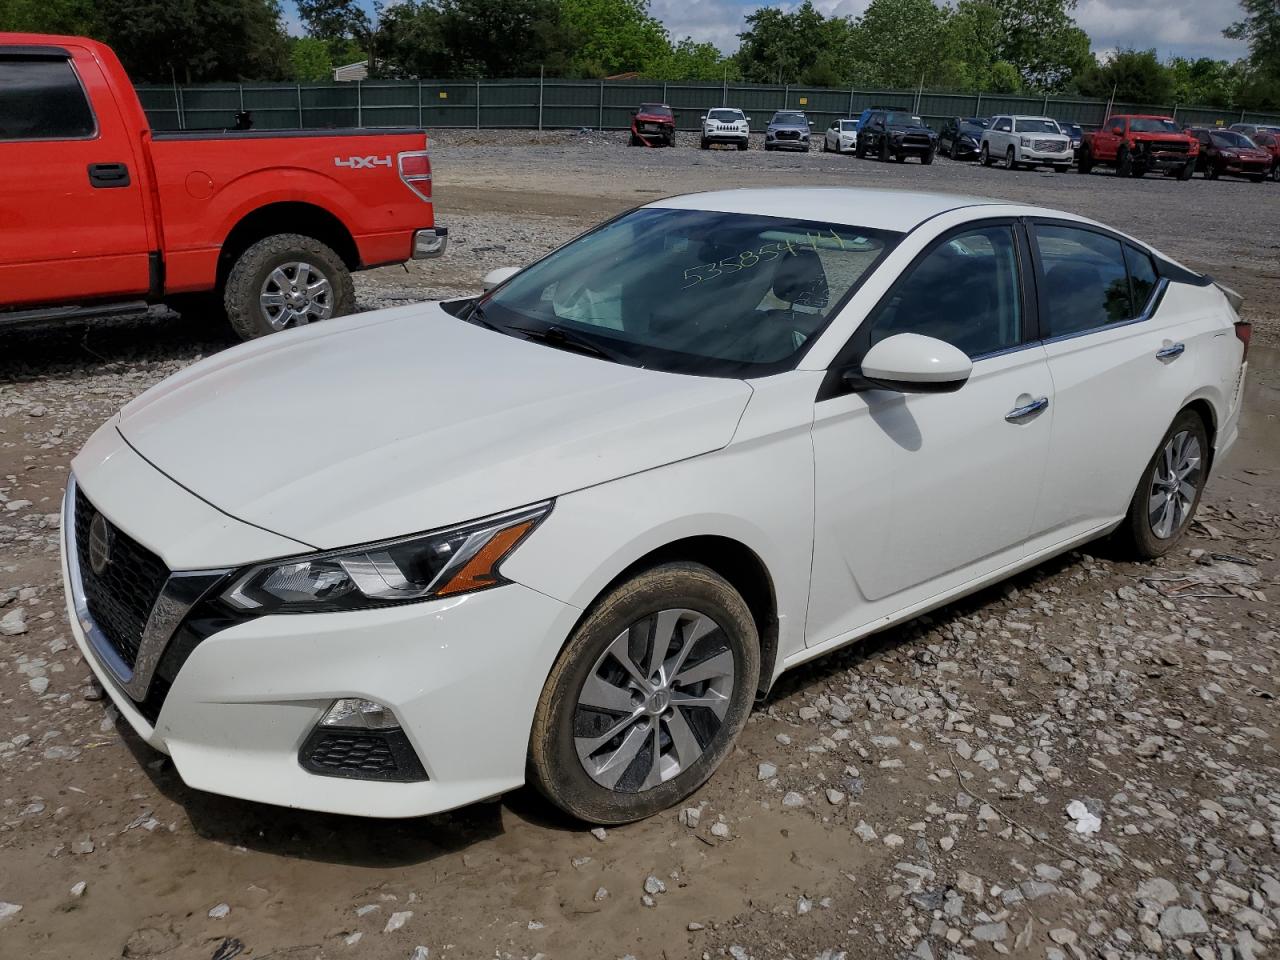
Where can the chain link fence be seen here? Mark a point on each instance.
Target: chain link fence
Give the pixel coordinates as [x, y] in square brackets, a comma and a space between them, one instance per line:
[597, 104]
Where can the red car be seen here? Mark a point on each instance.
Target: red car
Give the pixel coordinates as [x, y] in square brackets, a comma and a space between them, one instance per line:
[1137, 144]
[1227, 153]
[1270, 142]
[653, 125]
[102, 214]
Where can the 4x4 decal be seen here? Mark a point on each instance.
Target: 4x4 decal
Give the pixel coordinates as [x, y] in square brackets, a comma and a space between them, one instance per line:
[362, 163]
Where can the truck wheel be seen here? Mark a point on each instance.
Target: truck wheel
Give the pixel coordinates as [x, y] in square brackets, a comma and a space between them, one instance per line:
[1211, 171]
[1187, 170]
[1086, 161]
[1010, 160]
[860, 149]
[884, 150]
[927, 158]
[1124, 163]
[984, 156]
[703, 144]
[742, 144]
[283, 281]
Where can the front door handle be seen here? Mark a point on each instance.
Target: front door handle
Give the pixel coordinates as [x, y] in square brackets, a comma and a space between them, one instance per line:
[105, 175]
[1027, 410]
[1171, 351]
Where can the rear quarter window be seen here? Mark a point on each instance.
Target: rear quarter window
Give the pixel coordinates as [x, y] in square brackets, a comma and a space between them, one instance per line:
[43, 100]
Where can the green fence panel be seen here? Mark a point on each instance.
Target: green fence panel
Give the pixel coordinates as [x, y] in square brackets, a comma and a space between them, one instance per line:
[608, 104]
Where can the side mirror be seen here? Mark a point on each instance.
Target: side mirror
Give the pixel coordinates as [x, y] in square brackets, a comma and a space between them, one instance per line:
[635, 113]
[498, 276]
[811, 123]
[704, 118]
[912, 363]
[748, 119]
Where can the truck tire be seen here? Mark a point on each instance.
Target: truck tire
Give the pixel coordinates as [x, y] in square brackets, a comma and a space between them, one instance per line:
[1086, 160]
[884, 150]
[984, 157]
[286, 280]
[1187, 170]
[1124, 163]
[742, 145]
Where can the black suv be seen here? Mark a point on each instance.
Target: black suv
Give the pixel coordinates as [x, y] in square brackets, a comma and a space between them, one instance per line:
[898, 134]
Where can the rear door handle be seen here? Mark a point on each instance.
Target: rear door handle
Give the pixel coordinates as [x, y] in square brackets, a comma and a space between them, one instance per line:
[106, 175]
[1027, 410]
[1171, 351]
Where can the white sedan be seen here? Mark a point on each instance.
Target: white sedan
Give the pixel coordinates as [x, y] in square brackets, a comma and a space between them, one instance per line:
[841, 137]
[571, 529]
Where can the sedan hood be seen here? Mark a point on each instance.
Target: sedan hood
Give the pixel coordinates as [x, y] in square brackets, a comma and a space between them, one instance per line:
[410, 419]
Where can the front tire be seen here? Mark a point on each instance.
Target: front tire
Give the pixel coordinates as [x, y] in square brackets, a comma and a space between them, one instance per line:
[1187, 170]
[884, 151]
[742, 144]
[1010, 160]
[1124, 163]
[1086, 161]
[1169, 491]
[984, 155]
[927, 158]
[647, 697]
[286, 280]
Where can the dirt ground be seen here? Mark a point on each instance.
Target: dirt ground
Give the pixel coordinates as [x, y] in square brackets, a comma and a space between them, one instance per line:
[906, 797]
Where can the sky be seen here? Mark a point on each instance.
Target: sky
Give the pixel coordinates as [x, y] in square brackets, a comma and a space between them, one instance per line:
[1186, 28]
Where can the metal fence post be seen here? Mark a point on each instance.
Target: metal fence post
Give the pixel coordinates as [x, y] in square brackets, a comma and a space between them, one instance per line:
[724, 89]
[1174, 113]
[240, 86]
[359, 103]
[851, 101]
[542, 74]
[600, 120]
[299, 106]
[477, 104]
[786, 96]
[977, 107]
[664, 91]
[419, 103]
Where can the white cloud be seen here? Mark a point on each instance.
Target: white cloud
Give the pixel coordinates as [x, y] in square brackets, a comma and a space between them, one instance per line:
[1190, 28]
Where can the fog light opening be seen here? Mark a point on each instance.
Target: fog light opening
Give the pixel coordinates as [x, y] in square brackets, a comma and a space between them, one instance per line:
[354, 713]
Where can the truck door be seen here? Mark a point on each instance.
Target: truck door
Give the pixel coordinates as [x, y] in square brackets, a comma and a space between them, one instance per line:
[71, 198]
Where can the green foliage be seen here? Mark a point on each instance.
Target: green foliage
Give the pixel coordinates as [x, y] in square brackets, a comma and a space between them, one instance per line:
[1260, 28]
[333, 19]
[309, 60]
[1136, 76]
[1212, 83]
[75, 17]
[606, 37]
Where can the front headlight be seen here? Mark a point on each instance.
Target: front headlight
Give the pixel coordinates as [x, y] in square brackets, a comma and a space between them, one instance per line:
[1025, 141]
[442, 563]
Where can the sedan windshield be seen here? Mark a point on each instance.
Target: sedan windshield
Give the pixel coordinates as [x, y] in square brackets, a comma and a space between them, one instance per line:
[1035, 126]
[790, 118]
[724, 116]
[1150, 125]
[690, 291]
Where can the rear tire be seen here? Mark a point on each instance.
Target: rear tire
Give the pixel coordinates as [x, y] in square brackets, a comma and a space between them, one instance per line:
[1169, 491]
[1086, 161]
[591, 692]
[1275, 172]
[246, 285]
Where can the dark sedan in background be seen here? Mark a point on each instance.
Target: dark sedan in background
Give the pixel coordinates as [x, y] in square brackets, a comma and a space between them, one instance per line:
[1227, 153]
[960, 136]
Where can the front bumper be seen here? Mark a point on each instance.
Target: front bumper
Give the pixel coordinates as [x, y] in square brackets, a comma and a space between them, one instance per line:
[428, 244]
[1028, 155]
[789, 143]
[462, 676]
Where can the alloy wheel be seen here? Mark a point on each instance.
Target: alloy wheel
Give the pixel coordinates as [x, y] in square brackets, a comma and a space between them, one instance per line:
[294, 294]
[1174, 484]
[654, 700]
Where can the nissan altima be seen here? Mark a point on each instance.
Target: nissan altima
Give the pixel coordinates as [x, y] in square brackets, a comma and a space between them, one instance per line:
[566, 532]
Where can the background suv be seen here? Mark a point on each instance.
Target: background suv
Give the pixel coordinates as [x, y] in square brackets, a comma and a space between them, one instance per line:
[788, 130]
[1026, 141]
[725, 125]
[898, 134]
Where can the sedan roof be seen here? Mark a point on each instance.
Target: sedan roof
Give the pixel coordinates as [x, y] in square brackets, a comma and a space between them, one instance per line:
[875, 209]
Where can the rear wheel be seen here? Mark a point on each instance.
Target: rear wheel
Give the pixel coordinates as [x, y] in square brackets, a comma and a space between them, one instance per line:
[1275, 172]
[284, 281]
[1169, 491]
[1086, 161]
[647, 697]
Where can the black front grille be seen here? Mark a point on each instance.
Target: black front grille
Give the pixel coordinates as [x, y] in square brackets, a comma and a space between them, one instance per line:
[119, 598]
[787, 135]
[361, 755]
[917, 140]
[1171, 147]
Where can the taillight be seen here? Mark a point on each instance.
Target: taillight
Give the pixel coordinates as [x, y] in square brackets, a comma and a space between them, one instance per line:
[415, 171]
[1244, 332]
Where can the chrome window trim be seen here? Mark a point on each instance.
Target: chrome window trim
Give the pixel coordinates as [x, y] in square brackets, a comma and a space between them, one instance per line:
[172, 605]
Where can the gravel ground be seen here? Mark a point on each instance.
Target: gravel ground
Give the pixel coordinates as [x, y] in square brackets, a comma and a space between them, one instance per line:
[921, 795]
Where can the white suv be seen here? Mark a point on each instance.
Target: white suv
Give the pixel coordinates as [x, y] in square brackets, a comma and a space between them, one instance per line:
[725, 125]
[1029, 141]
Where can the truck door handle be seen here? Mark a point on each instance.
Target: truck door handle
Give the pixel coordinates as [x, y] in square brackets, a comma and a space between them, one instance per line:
[108, 175]
[1027, 410]
[1171, 351]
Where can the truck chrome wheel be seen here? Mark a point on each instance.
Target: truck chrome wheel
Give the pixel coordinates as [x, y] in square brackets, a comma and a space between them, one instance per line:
[654, 700]
[1174, 484]
[295, 294]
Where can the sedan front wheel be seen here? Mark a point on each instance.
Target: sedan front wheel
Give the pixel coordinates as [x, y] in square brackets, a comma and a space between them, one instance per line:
[647, 697]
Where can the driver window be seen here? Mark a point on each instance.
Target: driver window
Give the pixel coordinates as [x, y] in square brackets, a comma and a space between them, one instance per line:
[1005, 125]
[964, 291]
[1117, 127]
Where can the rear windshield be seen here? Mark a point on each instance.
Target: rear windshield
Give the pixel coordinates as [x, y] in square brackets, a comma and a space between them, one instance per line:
[725, 116]
[1035, 126]
[660, 109]
[1150, 125]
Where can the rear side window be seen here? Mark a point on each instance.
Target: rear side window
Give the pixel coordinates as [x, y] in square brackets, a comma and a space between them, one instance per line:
[964, 291]
[1086, 283]
[1142, 278]
[42, 100]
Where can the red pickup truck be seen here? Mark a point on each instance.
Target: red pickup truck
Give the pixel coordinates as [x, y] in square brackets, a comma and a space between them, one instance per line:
[103, 215]
[1137, 144]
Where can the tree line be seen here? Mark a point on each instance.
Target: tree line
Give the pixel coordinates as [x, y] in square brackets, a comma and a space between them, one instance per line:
[995, 46]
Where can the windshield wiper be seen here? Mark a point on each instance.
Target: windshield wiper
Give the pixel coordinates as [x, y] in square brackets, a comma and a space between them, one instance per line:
[476, 315]
[567, 340]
